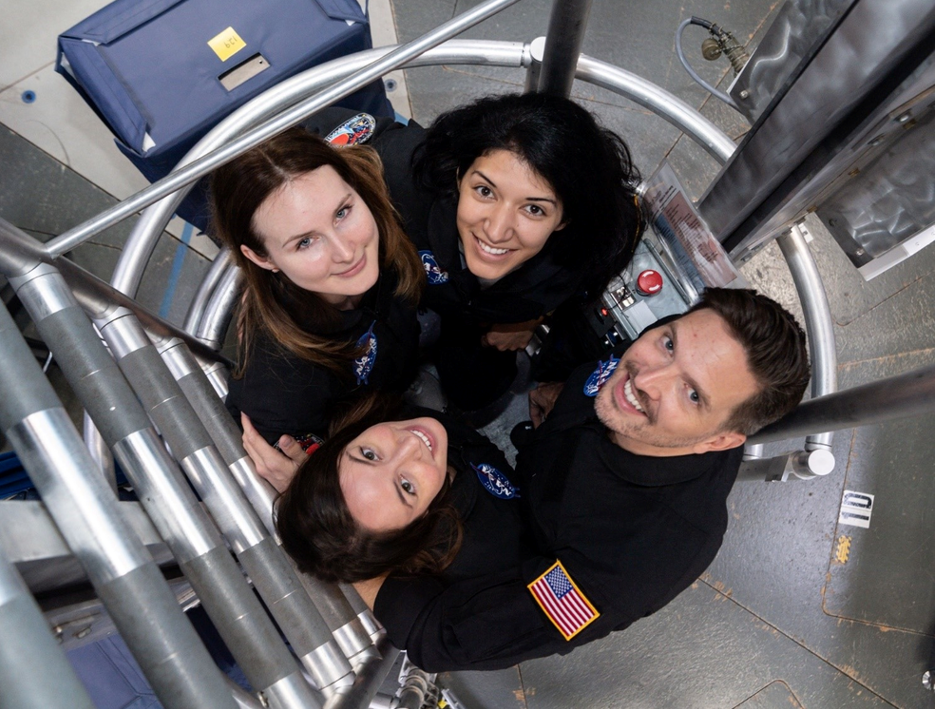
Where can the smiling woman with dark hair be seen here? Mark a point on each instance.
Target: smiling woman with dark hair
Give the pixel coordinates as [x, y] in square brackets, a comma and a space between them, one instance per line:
[396, 490]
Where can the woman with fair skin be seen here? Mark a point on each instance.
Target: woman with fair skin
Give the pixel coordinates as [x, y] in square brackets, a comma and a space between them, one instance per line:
[397, 491]
[332, 283]
[517, 204]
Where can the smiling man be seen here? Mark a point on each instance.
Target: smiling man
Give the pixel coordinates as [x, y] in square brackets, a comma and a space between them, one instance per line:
[624, 485]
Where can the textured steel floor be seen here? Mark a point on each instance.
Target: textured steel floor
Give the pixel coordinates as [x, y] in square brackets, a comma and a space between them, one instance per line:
[797, 610]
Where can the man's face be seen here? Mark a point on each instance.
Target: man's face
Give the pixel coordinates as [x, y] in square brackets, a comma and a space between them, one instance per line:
[676, 387]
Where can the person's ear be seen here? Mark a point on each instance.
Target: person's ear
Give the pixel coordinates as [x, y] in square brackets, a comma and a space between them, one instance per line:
[560, 226]
[257, 259]
[722, 441]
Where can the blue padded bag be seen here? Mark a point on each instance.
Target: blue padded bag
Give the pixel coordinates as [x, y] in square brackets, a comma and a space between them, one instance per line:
[146, 68]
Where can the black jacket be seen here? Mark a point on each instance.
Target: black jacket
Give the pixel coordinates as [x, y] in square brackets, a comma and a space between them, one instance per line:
[631, 532]
[282, 393]
[486, 499]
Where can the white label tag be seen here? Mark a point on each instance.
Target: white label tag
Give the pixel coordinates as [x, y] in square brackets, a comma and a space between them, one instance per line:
[856, 508]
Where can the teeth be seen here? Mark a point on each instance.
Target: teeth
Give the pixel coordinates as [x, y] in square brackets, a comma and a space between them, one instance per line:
[490, 249]
[424, 439]
[631, 397]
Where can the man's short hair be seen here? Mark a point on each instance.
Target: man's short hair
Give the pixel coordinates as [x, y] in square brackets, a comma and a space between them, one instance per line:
[776, 354]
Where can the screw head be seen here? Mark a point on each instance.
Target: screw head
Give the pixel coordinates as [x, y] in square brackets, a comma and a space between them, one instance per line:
[927, 681]
[745, 94]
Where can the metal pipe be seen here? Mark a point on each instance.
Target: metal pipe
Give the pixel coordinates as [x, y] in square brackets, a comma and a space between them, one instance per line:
[20, 253]
[369, 678]
[659, 101]
[193, 447]
[100, 453]
[34, 673]
[153, 220]
[205, 289]
[212, 326]
[337, 613]
[901, 396]
[534, 68]
[364, 614]
[818, 323]
[188, 174]
[176, 513]
[221, 427]
[124, 576]
[346, 628]
[563, 39]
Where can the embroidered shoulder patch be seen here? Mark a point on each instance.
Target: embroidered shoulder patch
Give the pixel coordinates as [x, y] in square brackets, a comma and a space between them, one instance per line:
[562, 601]
[600, 375]
[353, 131]
[433, 272]
[495, 482]
[364, 364]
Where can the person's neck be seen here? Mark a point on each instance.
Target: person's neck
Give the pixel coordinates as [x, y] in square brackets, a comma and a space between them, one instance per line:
[647, 449]
[343, 302]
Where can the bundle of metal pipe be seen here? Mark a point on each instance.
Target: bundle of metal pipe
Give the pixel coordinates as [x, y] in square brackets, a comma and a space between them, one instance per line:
[84, 508]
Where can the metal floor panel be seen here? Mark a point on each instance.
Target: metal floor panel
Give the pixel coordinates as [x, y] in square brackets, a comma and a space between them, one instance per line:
[704, 650]
[775, 695]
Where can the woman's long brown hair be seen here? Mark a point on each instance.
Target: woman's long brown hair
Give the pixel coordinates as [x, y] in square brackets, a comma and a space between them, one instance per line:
[242, 185]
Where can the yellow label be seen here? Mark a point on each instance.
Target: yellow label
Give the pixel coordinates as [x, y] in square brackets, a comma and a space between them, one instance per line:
[226, 44]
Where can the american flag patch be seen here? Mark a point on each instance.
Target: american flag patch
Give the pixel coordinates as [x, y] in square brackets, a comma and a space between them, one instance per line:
[562, 601]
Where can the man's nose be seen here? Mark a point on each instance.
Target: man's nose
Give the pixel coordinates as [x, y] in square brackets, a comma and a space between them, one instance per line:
[651, 380]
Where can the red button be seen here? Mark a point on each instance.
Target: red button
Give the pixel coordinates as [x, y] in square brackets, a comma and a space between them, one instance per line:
[649, 282]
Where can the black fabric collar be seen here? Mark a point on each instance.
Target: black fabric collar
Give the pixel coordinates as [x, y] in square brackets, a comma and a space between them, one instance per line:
[653, 471]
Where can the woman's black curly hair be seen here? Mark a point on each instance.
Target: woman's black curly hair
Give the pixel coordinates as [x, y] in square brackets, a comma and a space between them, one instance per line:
[588, 166]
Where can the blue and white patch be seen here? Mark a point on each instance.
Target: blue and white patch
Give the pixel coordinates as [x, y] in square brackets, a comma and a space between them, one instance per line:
[353, 131]
[433, 272]
[495, 482]
[363, 365]
[600, 375]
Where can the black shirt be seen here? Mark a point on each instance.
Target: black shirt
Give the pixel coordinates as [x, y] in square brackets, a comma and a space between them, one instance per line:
[630, 531]
[283, 393]
[486, 499]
